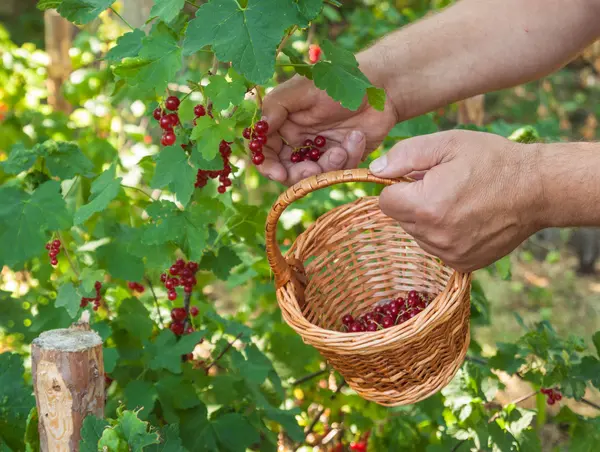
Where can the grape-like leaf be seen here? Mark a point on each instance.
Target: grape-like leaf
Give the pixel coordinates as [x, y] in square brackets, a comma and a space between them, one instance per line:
[111, 357]
[245, 433]
[376, 98]
[176, 393]
[174, 170]
[20, 158]
[248, 37]
[166, 351]
[135, 431]
[208, 134]
[222, 264]
[224, 93]
[32, 435]
[69, 299]
[89, 276]
[44, 5]
[128, 45]
[421, 125]
[140, 394]
[158, 62]
[82, 11]
[104, 189]
[167, 10]
[65, 160]
[133, 317]
[169, 440]
[27, 218]
[16, 400]
[120, 262]
[310, 9]
[91, 432]
[340, 76]
[596, 340]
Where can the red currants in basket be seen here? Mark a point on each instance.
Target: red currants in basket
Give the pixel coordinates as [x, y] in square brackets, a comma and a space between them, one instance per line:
[387, 315]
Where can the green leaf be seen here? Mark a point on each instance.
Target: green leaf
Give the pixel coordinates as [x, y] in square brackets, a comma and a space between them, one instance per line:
[175, 393]
[288, 421]
[376, 98]
[195, 430]
[112, 441]
[421, 125]
[169, 440]
[503, 267]
[221, 264]
[340, 76]
[174, 170]
[89, 276]
[166, 351]
[135, 432]
[158, 62]
[167, 10]
[248, 37]
[32, 436]
[104, 189]
[215, 164]
[120, 262]
[19, 159]
[128, 45]
[111, 357]
[596, 340]
[140, 395]
[134, 318]
[297, 58]
[310, 9]
[16, 400]
[26, 219]
[44, 5]
[82, 11]
[65, 160]
[69, 299]
[91, 432]
[245, 434]
[223, 93]
[208, 135]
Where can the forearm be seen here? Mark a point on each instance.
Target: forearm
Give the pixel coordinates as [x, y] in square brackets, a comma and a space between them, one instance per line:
[478, 46]
[567, 181]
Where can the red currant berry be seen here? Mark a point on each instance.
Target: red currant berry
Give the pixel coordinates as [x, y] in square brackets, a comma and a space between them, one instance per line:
[177, 328]
[387, 322]
[53, 253]
[193, 266]
[247, 133]
[132, 285]
[199, 110]
[308, 143]
[261, 127]
[226, 182]
[262, 139]
[320, 141]
[372, 326]
[315, 154]
[178, 314]
[190, 330]
[174, 118]
[168, 139]
[48, 246]
[54, 261]
[551, 401]
[557, 396]
[157, 113]
[255, 146]
[189, 356]
[176, 281]
[97, 285]
[169, 284]
[165, 123]
[221, 189]
[347, 319]
[172, 295]
[355, 327]
[379, 309]
[194, 311]
[314, 53]
[188, 289]
[174, 270]
[172, 103]
[258, 158]
[213, 174]
[163, 277]
[56, 244]
[296, 157]
[413, 295]
[185, 272]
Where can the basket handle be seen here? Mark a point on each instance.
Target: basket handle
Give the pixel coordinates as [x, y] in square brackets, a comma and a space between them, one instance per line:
[291, 270]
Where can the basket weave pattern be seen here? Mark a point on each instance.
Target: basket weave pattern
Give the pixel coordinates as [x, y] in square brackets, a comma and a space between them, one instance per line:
[351, 258]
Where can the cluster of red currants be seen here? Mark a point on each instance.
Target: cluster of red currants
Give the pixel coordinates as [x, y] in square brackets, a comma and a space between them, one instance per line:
[257, 135]
[53, 248]
[136, 287]
[168, 121]
[309, 150]
[387, 315]
[314, 53]
[187, 278]
[178, 316]
[96, 300]
[223, 175]
[553, 395]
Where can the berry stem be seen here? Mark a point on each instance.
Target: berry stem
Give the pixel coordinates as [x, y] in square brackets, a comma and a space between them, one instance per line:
[225, 350]
[322, 410]
[284, 40]
[186, 304]
[121, 17]
[191, 4]
[64, 247]
[136, 188]
[293, 65]
[162, 323]
[308, 377]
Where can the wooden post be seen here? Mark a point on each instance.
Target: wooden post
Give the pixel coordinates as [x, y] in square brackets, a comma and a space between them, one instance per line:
[58, 36]
[68, 381]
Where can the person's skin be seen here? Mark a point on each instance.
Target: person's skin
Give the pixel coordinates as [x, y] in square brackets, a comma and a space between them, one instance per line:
[481, 195]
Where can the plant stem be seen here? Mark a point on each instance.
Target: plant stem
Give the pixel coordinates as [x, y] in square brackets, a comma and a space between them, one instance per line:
[455, 448]
[71, 264]
[192, 4]
[284, 40]
[293, 65]
[322, 410]
[187, 297]
[138, 189]
[225, 350]
[121, 17]
[308, 377]
[590, 403]
[518, 400]
[151, 287]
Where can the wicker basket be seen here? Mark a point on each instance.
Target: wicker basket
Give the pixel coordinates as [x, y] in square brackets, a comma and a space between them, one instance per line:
[352, 257]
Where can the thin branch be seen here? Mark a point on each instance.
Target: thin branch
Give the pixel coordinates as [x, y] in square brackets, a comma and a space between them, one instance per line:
[121, 17]
[455, 448]
[518, 400]
[151, 287]
[136, 188]
[308, 377]
[225, 350]
[590, 403]
[322, 410]
[192, 4]
[186, 304]
[284, 40]
[73, 266]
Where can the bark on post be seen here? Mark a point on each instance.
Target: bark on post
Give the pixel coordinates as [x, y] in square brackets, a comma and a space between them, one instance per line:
[68, 381]
[58, 36]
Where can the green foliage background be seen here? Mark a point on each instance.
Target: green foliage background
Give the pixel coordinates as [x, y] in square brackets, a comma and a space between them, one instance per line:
[125, 209]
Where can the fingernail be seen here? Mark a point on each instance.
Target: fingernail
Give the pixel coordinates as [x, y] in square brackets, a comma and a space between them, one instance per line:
[337, 157]
[355, 137]
[379, 164]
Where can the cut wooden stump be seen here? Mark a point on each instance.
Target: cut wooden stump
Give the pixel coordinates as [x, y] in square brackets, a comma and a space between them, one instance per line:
[68, 381]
